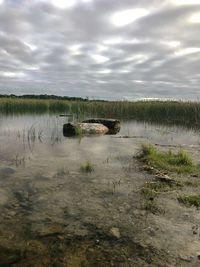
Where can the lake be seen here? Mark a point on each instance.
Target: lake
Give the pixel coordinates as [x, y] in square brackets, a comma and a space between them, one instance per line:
[55, 214]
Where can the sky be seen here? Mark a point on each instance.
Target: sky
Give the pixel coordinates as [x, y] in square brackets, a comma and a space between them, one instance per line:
[101, 49]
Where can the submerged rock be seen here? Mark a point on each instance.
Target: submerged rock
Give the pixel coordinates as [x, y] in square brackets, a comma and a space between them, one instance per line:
[112, 124]
[70, 129]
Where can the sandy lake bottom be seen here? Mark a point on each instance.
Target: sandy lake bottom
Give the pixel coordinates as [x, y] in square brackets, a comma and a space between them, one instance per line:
[55, 214]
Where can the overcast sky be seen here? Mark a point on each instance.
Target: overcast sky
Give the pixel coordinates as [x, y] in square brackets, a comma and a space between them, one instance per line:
[108, 49]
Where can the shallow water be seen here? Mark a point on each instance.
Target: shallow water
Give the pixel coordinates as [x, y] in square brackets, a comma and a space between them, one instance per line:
[48, 204]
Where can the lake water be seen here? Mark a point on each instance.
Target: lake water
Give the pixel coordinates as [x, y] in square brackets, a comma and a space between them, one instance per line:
[47, 203]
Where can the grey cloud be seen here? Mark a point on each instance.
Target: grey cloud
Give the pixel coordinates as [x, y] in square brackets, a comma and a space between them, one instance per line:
[45, 49]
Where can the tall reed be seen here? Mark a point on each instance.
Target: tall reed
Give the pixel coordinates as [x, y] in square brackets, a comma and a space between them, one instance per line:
[187, 113]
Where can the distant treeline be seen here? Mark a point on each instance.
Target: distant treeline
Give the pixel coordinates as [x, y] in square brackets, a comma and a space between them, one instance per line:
[45, 96]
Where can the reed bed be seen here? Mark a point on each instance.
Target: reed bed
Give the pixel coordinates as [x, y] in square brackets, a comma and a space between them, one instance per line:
[172, 112]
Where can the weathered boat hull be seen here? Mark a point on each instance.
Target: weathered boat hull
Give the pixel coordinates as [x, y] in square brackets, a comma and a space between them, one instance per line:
[112, 124]
[70, 129]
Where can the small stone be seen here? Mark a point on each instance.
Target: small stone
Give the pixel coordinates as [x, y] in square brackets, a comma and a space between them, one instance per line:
[114, 231]
[198, 257]
[61, 238]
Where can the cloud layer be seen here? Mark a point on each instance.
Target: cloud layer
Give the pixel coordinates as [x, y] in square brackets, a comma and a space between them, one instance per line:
[100, 49]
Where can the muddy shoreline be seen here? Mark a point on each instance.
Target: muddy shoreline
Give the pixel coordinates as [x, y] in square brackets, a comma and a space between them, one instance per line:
[78, 233]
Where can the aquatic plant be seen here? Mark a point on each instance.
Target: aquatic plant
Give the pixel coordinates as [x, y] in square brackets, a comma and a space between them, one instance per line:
[87, 167]
[78, 131]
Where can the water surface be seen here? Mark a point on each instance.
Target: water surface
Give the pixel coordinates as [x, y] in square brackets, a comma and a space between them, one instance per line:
[48, 204]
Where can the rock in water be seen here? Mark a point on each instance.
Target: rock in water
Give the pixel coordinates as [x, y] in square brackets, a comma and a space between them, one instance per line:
[112, 124]
[70, 129]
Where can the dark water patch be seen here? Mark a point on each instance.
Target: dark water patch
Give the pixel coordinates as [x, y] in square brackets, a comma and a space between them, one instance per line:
[5, 172]
[9, 255]
[56, 247]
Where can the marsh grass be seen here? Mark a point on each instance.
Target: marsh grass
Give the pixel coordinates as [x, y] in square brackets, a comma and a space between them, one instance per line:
[180, 161]
[20, 161]
[78, 134]
[162, 112]
[87, 167]
[190, 200]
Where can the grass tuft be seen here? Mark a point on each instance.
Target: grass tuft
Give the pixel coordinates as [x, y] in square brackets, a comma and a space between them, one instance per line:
[149, 203]
[192, 200]
[78, 131]
[87, 167]
[180, 162]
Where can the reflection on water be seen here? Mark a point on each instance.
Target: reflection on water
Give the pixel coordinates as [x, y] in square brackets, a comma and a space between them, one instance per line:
[48, 204]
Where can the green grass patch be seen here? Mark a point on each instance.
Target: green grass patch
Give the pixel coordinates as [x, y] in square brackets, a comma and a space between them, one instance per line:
[191, 200]
[180, 161]
[87, 167]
